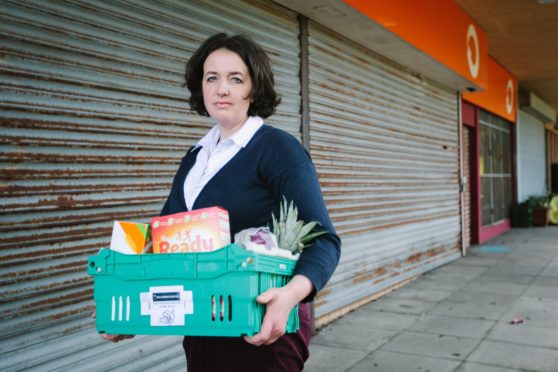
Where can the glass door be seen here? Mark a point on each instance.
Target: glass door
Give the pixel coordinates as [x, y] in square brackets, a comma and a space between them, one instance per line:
[495, 168]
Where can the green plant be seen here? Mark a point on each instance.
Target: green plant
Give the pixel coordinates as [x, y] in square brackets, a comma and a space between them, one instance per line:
[537, 201]
[292, 234]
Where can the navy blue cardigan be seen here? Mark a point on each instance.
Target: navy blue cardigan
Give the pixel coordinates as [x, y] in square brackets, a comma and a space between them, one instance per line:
[250, 186]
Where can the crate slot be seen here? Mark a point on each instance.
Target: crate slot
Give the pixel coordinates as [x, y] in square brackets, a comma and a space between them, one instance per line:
[230, 308]
[213, 307]
[221, 308]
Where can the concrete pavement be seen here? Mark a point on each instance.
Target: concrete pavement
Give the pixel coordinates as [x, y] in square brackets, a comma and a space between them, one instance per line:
[458, 317]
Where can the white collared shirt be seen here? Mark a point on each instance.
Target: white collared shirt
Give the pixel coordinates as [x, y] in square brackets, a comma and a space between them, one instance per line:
[214, 154]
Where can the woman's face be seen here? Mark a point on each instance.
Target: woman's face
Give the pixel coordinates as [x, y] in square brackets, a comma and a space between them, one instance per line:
[226, 88]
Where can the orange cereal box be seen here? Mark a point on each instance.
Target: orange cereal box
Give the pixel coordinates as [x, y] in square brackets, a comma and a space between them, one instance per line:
[200, 230]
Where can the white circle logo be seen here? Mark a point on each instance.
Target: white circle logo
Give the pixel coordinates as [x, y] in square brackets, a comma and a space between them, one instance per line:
[473, 57]
[509, 97]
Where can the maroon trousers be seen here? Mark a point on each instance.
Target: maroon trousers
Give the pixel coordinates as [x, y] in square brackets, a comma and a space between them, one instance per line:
[287, 354]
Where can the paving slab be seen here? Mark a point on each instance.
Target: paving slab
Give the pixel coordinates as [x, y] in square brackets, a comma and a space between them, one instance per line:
[479, 260]
[472, 309]
[539, 312]
[542, 291]
[494, 277]
[496, 287]
[508, 355]
[545, 281]
[458, 267]
[542, 303]
[440, 285]
[475, 367]
[334, 359]
[437, 346]
[550, 271]
[401, 305]
[534, 317]
[449, 276]
[452, 326]
[386, 361]
[518, 269]
[487, 298]
[352, 337]
[429, 295]
[525, 334]
[365, 318]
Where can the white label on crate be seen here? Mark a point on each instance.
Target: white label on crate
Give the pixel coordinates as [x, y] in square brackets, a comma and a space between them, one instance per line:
[167, 305]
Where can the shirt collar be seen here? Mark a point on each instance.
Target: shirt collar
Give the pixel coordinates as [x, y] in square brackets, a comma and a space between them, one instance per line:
[240, 138]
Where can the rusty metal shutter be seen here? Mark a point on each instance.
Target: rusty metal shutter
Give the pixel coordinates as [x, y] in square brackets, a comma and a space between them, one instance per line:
[467, 140]
[385, 144]
[94, 121]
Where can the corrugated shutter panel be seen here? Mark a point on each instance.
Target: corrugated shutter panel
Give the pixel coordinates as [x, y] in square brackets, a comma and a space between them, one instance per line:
[551, 156]
[467, 138]
[386, 147]
[94, 122]
[531, 173]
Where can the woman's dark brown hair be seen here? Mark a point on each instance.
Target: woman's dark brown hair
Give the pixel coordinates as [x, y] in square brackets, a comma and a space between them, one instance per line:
[264, 99]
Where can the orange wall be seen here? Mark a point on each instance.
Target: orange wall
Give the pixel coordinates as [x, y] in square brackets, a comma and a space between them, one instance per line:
[439, 28]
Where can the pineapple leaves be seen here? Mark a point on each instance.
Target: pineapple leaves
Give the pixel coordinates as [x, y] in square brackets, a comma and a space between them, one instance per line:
[292, 234]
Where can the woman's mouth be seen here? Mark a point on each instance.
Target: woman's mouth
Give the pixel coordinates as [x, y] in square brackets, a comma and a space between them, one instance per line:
[222, 104]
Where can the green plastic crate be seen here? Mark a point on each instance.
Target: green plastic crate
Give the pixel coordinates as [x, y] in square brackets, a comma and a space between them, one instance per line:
[195, 294]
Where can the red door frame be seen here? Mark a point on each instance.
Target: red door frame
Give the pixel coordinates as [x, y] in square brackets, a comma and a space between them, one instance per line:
[479, 233]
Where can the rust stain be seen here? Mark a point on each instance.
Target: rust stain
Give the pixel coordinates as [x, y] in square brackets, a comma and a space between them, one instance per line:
[380, 271]
[363, 278]
[414, 258]
[11, 260]
[65, 202]
[58, 301]
[18, 295]
[56, 238]
[323, 293]
[377, 281]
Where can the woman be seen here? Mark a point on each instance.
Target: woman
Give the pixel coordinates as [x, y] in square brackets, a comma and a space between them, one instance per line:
[246, 167]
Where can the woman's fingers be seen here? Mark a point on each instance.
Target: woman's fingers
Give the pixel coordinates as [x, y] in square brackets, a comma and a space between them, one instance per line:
[274, 322]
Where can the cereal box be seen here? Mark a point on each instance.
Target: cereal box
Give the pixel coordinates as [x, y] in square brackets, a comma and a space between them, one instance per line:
[200, 230]
[130, 237]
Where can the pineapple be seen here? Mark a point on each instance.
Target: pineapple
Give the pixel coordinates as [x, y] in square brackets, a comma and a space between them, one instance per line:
[292, 234]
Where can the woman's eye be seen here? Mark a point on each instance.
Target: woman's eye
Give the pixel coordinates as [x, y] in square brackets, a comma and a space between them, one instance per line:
[237, 80]
[211, 78]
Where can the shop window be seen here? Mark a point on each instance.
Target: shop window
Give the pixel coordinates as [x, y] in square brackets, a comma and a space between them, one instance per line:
[495, 168]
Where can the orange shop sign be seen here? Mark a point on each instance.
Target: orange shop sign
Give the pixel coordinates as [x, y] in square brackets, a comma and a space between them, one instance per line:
[440, 28]
[501, 96]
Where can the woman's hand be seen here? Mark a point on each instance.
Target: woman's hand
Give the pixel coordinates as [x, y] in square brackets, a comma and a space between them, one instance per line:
[279, 303]
[113, 338]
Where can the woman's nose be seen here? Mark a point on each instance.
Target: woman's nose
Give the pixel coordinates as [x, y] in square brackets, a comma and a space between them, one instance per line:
[222, 90]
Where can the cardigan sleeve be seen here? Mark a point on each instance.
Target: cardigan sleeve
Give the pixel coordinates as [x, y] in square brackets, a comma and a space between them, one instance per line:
[292, 174]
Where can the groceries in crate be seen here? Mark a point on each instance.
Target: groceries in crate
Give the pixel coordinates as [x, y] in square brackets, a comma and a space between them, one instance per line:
[130, 237]
[289, 237]
[208, 229]
[200, 230]
[262, 240]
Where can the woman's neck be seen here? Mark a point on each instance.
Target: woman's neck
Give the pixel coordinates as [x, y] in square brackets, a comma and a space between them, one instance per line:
[227, 131]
